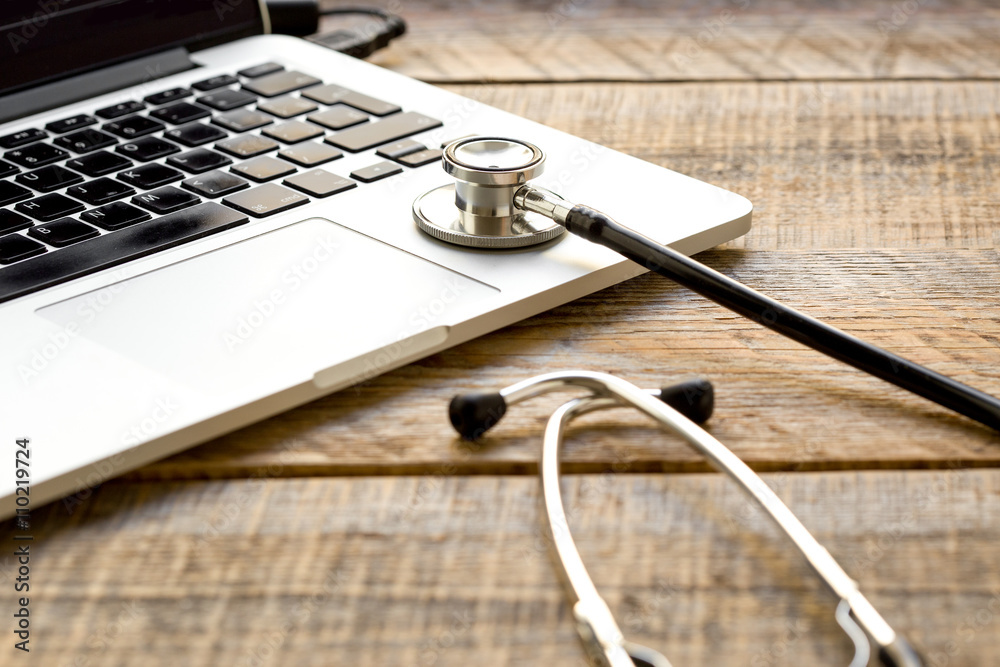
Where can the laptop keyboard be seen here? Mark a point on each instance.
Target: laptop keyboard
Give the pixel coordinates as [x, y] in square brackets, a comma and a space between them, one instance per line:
[93, 191]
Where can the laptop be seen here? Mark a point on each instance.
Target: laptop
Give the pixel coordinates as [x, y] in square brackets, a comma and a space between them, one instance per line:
[203, 225]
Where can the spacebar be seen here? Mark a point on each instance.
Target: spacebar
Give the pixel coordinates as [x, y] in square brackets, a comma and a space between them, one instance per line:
[116, 248]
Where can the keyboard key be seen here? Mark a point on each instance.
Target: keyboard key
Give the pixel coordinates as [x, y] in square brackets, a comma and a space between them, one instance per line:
[111, 250]
[293, 132]
[247, 146]
[36, 155]
[370, 135]
[265, 200]
[49, 207]
[69, 124]
[195, 134]
[180, 113]
[120, 109]
[260, 70]
[100, 191]
[198, 161]
[47, 179]
[15, 247]
[22, 138]
[398, 149]
[310, 154]
[115, 216]
[171, 95]
[62, 233]
[148, 148]
[332, 94]
[320, 183]
[224, 100]
[279, 83]
[214, 82]
[420, 158]
[215, 184]
[376, 172]
[12, 192]
[6, 169]
[165, 200]
[99, 163]
[286, 107]
[86, 141]
[133, 126]
[12, 222]
[338, 117]
[150, 176]
[242, 120]
[263, 168]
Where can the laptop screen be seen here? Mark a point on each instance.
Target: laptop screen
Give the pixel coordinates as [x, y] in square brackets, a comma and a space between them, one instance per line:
[43, 40]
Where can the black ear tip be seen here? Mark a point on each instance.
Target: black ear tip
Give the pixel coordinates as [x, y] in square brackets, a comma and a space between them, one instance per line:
[695, 399]
[474, 414]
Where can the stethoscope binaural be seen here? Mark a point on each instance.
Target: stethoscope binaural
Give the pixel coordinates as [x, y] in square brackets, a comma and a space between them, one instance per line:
[492, 205]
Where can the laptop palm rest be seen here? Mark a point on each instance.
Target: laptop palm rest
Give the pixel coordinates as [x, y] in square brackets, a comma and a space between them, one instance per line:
[248, 319]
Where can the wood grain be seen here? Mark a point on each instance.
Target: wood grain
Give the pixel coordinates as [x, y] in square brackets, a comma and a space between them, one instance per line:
[453, 571]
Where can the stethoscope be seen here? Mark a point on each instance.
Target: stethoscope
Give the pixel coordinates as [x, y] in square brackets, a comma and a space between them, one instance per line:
[492, 205]
[678, 408]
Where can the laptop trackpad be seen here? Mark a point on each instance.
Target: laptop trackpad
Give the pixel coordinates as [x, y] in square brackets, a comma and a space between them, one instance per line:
[277, 308]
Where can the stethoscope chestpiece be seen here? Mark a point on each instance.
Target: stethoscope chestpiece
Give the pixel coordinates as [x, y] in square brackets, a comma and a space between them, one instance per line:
[478, 209]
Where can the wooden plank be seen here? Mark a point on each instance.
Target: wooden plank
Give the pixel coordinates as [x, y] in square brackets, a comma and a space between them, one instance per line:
[736, 40]
[453, 571]
[779, 406]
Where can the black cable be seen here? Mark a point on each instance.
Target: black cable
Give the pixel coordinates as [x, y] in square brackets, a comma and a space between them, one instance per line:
[361, 41]
[599, 228]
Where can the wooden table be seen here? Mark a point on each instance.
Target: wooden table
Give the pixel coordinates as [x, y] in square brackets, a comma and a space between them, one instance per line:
[357, 530]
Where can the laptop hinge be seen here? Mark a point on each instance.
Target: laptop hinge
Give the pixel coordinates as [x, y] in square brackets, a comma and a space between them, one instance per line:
[91, 84]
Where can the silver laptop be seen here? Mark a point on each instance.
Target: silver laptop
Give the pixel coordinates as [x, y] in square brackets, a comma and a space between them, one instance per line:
[203, 225]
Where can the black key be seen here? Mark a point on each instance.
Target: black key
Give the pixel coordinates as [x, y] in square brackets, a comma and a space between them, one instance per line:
[180, 113]
[338, 117]
[22, 138]
[36, 155]
[286, 107]
[100, 191]
[49, 207]
[47, 179]
[86, 141]
[171, 95]
[214, 82]
[242, 120]
[215, 184]
[376, 172]
[265, 200]
[332, 94]
[420, 158]
[121, 109]
[224, 100]
[398, 149]
[165, 200]
[12, 222]
[115, 216]
[263, 168]
[62, 233]
[247, 145]
[69, 124]
[6, 169]
[392, 128]
[293, 131]
[99, 163]
[114, 249]
[148, 148]
[310, 154]
[150, 176]
[12, 192]
[195, 134]
[260, 70]
[320, 183]
[279, 83]
[199, 161]
[15, 247]
[133, 126]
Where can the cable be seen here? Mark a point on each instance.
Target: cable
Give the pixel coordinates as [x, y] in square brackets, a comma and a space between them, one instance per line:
[365, 39]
